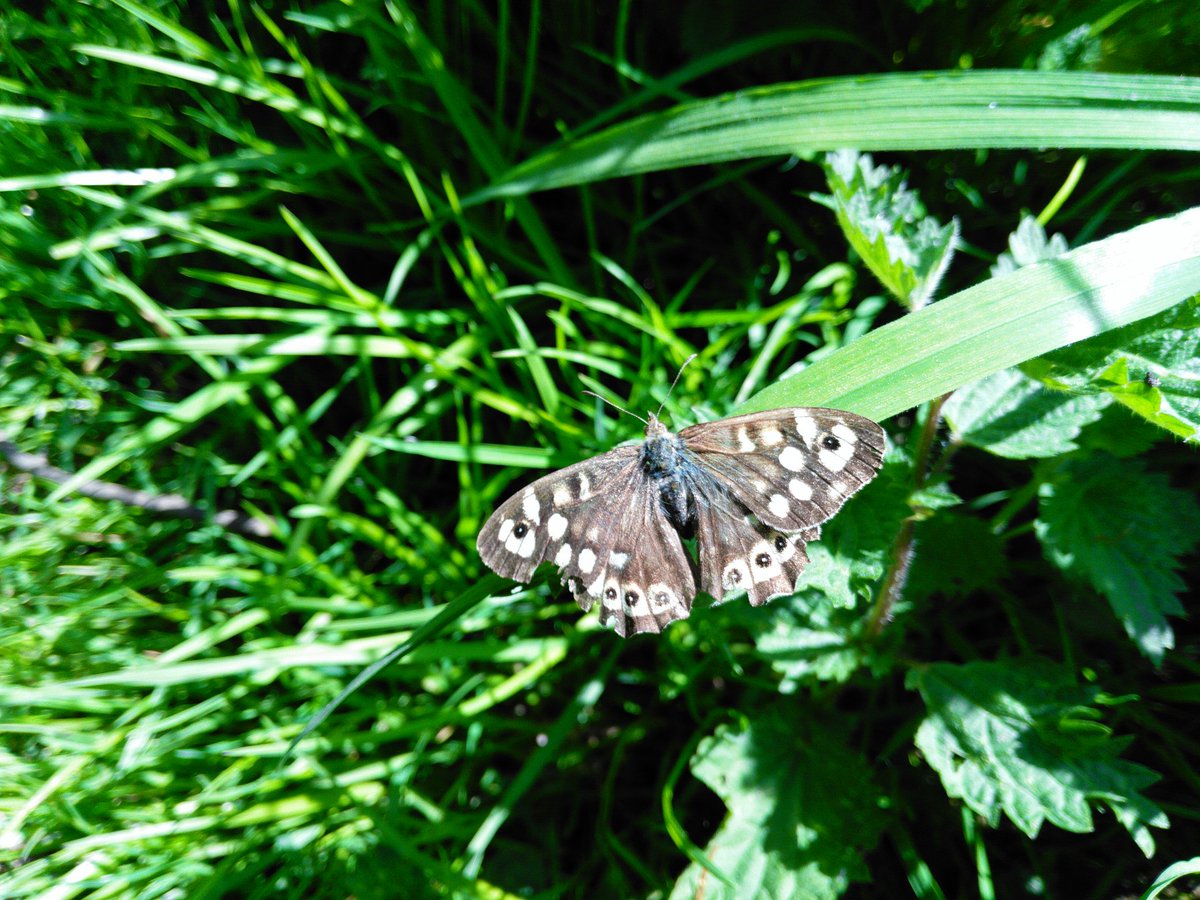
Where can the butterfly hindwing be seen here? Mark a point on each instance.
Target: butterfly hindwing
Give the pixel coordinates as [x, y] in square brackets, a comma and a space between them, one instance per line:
[641, 577]
[792, 468]
[737, 552]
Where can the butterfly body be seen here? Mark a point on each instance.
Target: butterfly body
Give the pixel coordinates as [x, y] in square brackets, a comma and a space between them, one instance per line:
[751, 489]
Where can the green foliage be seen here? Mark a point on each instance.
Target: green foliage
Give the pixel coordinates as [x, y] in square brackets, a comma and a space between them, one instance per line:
[286, 308]
[1152, 367]
[1011, 415]
[902, 245]
[1122, 530]
[1020, 738]
[803, 809]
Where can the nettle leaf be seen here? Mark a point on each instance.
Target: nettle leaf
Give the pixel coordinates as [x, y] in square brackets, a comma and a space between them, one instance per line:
[803, 810]
[1020, 739]
[1123, 530]
[813, 635]
[1011, 415]
[1119, 433]
[1151, 366]
[863, 532]
[1028, 245]
[885, 222]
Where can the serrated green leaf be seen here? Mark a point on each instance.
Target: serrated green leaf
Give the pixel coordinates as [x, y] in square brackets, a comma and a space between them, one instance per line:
[1120, 433]
[863, 532]
[903, 246]
[999, 736]
[1011, 415]
[1152, 367]
[803, 810]
[1028, 245]
[1123, 530]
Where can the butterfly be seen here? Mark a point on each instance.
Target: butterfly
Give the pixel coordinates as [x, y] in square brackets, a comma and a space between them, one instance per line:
[751, 489]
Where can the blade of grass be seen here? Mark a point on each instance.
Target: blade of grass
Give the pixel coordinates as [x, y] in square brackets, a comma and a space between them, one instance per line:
[1002, 322]
[907, 111]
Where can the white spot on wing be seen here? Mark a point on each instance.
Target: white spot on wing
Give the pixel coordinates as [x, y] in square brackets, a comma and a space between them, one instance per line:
[789, 548]
[845, 433]
[618, 560]
[791, 459]
[736, 576]
[744, 443]
[807, 428]
[562, 494]
[800, 490]
[527, 544]
[770, 436]
[587, 560]
[639, 606]
[764, 551]
[585, 487]
[662, 598]
[556, 526]
[778, 506]
[596, 586]
[830, 460]
[564, 556]
[506, 528]
[531, 508]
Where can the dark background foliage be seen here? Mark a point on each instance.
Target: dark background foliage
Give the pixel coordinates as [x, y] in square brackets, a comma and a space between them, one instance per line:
[187, 185]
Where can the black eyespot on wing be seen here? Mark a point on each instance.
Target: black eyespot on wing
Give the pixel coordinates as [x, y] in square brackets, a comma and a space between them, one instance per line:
[763, 560]
[780, 542]
[521, 530]
[829, 442]
[610, 593]
[631, 597]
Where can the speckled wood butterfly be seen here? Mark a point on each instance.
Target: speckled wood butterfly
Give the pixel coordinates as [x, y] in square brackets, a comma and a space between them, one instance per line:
[751, 489]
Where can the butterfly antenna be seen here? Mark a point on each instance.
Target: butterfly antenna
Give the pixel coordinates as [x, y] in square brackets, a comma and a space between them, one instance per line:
[614, 406]
[673, 383]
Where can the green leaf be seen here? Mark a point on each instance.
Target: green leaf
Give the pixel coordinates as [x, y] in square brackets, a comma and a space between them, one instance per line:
[904, 111]
[1018, 739]
[812, 634]
[1028, 245]
[906, 248]
[803, 810]
[1011, 415]
[1151, 366]
[1123, 530]
[1171, 874]
[1002, 322]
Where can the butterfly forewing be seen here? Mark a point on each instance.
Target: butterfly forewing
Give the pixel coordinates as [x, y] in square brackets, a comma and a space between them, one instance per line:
[535, 524]
[792, 468]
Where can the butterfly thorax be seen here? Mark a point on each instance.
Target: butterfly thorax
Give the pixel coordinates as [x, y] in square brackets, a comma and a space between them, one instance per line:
[662, 458]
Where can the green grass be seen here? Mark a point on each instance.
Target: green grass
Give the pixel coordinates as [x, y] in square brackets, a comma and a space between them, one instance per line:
[293, 296]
